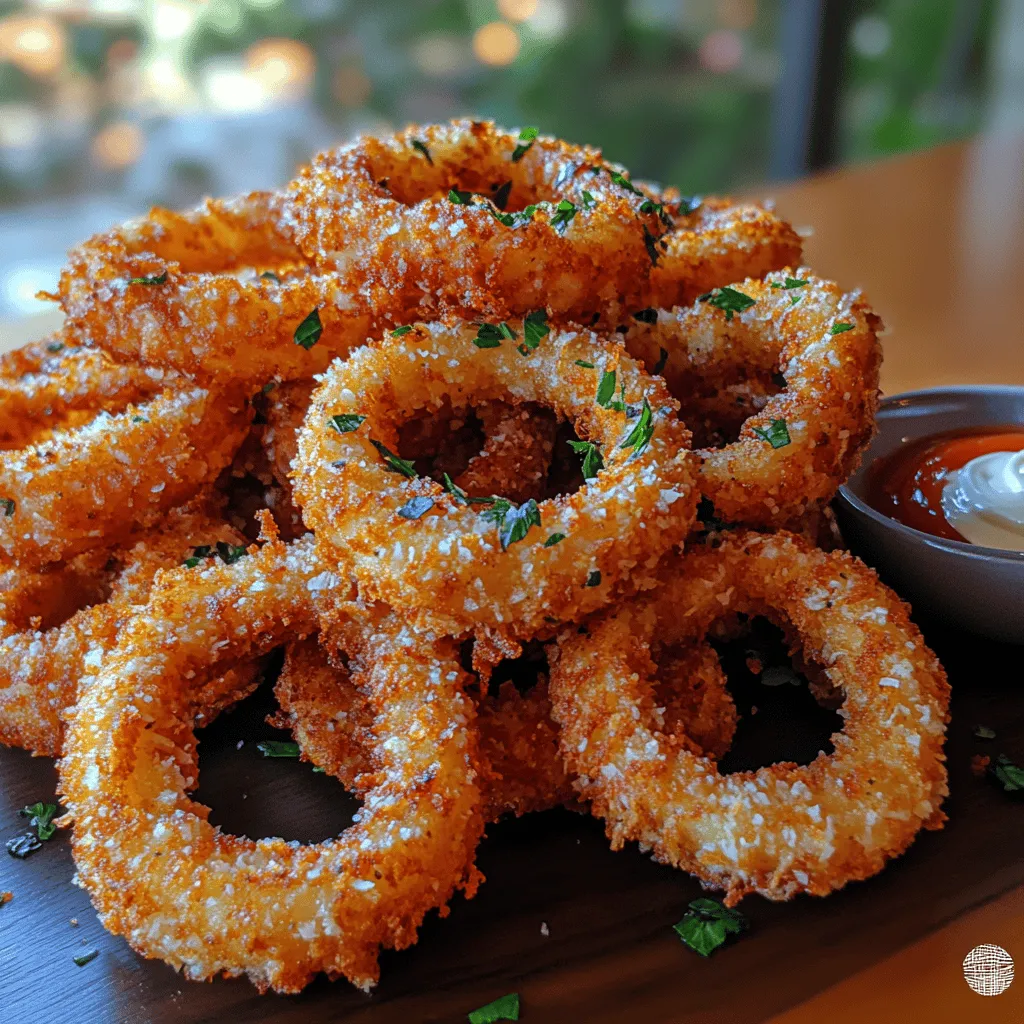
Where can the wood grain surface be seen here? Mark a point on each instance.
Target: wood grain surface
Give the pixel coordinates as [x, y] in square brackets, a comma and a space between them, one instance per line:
[890, 946]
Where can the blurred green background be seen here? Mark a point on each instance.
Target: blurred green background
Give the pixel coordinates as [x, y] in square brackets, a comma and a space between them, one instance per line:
[109, 106]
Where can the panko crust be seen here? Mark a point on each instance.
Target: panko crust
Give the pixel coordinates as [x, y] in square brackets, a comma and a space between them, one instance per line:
[782, 829]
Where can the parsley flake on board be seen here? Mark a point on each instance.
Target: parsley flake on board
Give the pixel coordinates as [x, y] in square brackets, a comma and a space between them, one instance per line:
[707, 924]
[983, 732]
[505, 1008]
[526, 139]
[7, 506]
[399, 331]
[460, 197]
[278, 748]
[840, 328]
[646, 316]
[1009, 775]
[789, 284]
[416, 507]
[513, 521]
[501, 194]
[594, 579]
[554, 539]
[421, 147]
[660, 364]
[345, 422]
[640, 436]
[564, 213]
[307, 334]
[606, 388]
[776, 434]
[535, 327]
[41, 816]
[154, 279]
[395, 464]
[592, 461]
[85, 958]
[728, 299]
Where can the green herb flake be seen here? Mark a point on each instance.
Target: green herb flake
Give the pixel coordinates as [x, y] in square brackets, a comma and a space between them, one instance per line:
[564, 213]
[460, 197]
[395, 464]
[659, 366]
[584, 364]
[620, 179]
[535, 328]
[707, 924]
[650, 206]
[85, 958]
[269, 275]
[592, 461]
[526, 139]
[198, 554]
[41, 816]
[513, 521]
[154, 279]
[1009, 775]
[505, 1008]
[491, 335]
[230, 553]
[729, 300]
[345, 422]
[777, 434]
[555, 538]
[840, 328]
[983, 732]
[416, 507]
[307, 334]
[651, 244]
[789, 284]
[594, 579]
[398, 332]
[55, 346]
[589, 202]
[139, 419]
[640, 436]
[501, 194]
[421, 147]
[279, 748]
[646, 316]
[689, 204]
[606, 388]
[7, 505]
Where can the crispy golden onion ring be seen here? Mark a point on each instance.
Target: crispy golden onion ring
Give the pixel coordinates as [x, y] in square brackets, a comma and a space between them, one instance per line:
[782, 829]
[217, 293]
[409, 542]
[825, 345]
[95, 483]
[207, 903]
[451, 218]
[330, 719]
[57, 624]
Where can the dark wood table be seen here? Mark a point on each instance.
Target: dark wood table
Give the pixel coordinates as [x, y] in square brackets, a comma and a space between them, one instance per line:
[936, 239]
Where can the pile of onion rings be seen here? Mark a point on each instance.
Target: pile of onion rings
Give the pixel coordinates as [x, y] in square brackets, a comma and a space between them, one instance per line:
[498, 445]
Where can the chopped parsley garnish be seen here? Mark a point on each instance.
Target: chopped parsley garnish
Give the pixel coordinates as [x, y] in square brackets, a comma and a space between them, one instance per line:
[278, 748]
[490, 335]
[777, 434]
[514, 220]
[42, 816]
[231, 553]
[592, 461]
[307, 334]
[840, 328]
[346, 422]
[462, 497]
[621, 179]
[395, 464]
[85, 958]
[526, 140]
[689, 204]
[269, 275]
[421, 147]
[55, 346]
[707, 924]
[589, 202]
[505, 1008]
[728, 299]
[564, 213]
[646, 316]
[139, 419]
[459, 197]
[198, 554]
[513, 521]
[640, 436]
[594, 579]
[7, 505]
[584, 364]
[662, 360]
[501, 194]
[154, 279]
[1009, 775]
[983, 732]
[416, 507]
[535, 327]
[789, 284]
[606, 389]
[554, 539]
[399, 331]
[22, 845]
[650, 206]
[651, 243]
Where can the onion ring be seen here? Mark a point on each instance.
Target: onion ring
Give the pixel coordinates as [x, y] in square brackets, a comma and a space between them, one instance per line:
[825, 345]
[782, 829]
[423, 550]
[453, 218]
[175, 887]
[56, 625]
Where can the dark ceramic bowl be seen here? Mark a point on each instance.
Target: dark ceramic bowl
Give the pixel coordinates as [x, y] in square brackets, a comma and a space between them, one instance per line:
[966, 586]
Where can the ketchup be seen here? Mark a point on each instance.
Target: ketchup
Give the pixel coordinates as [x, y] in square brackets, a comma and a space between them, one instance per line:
[907, 485]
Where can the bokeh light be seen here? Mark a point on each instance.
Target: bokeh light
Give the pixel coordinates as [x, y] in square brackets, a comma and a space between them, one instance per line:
[117, 146]
[34, 44]
[721, 51]
[736, 14]
[284, 68]
[496, 43]
[351, 87]
[517, 10]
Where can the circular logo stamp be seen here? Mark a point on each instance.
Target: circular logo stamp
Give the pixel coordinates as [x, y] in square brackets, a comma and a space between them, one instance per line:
[988, 969]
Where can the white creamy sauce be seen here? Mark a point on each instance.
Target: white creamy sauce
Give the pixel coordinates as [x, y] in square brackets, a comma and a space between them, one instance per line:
[984, 501]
